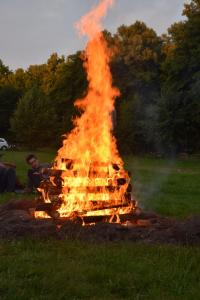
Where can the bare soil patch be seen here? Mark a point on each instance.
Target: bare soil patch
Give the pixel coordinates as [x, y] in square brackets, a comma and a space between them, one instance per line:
[16, 222]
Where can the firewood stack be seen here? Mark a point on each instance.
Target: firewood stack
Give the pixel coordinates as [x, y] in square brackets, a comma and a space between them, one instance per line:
[86, 190]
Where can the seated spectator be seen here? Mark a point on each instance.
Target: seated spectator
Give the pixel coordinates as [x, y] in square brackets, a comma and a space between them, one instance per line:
[36, 174]
[8, 179]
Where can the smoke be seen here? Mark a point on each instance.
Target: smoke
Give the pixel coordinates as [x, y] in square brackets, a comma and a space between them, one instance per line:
[150, 179]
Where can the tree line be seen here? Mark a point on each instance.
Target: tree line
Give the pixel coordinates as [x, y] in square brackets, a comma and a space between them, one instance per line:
[158, 109]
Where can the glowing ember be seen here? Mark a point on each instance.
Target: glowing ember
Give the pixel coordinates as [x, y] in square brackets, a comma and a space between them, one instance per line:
[88, 178]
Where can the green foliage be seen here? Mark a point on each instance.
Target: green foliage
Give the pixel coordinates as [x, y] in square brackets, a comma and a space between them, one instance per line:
[18, 80]
[179, 113]
[136, 71]
[34, 121]
[57, 84]
[70, 84]
[4, 70]
[8, 101]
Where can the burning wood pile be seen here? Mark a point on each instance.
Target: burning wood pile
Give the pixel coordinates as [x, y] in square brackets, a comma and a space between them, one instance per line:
[98, 189]
[88, 178]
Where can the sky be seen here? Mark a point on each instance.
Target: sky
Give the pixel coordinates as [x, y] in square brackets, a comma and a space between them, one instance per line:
[31, 30]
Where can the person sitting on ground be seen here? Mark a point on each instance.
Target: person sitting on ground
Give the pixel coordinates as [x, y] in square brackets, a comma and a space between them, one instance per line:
[36, 174]
[8, 179]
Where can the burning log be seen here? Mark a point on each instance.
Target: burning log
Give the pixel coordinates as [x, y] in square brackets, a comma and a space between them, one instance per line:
[94, 206]
[104, 190]
[130, 219]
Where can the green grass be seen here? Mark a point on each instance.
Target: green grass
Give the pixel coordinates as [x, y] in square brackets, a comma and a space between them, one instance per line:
[63, 270]
[75, 270]
[168, 187]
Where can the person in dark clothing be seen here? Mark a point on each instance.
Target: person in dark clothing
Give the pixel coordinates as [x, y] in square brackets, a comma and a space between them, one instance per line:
[8, 178]
[36, 174]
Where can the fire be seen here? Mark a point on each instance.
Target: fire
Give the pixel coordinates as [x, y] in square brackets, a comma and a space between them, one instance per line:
[88, 173]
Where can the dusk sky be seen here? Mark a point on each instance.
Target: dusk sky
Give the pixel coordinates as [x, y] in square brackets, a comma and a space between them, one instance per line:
[31, 30]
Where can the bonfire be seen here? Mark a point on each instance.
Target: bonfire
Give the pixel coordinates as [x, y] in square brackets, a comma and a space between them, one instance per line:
[88, 177]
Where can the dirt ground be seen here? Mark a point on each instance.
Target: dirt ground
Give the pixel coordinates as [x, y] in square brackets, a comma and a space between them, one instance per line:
[16, 222]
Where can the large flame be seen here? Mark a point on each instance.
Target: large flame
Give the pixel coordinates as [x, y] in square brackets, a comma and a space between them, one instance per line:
[89, 158]
[91, 139]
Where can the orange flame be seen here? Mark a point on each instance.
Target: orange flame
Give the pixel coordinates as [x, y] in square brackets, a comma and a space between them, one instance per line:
[91, 139]
[89, 180]
[90, 23]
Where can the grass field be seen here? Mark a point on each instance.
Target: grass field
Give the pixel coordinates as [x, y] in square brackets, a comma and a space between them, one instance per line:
[73, 270]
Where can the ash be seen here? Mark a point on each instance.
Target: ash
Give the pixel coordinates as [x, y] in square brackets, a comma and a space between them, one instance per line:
[17, 223]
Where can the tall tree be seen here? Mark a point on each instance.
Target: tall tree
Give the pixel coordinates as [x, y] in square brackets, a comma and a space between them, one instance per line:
[34, 121]
[136, 70]
[70, 83]
[8, 102]
[4, 70]
[4, 73]
[180, 105]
